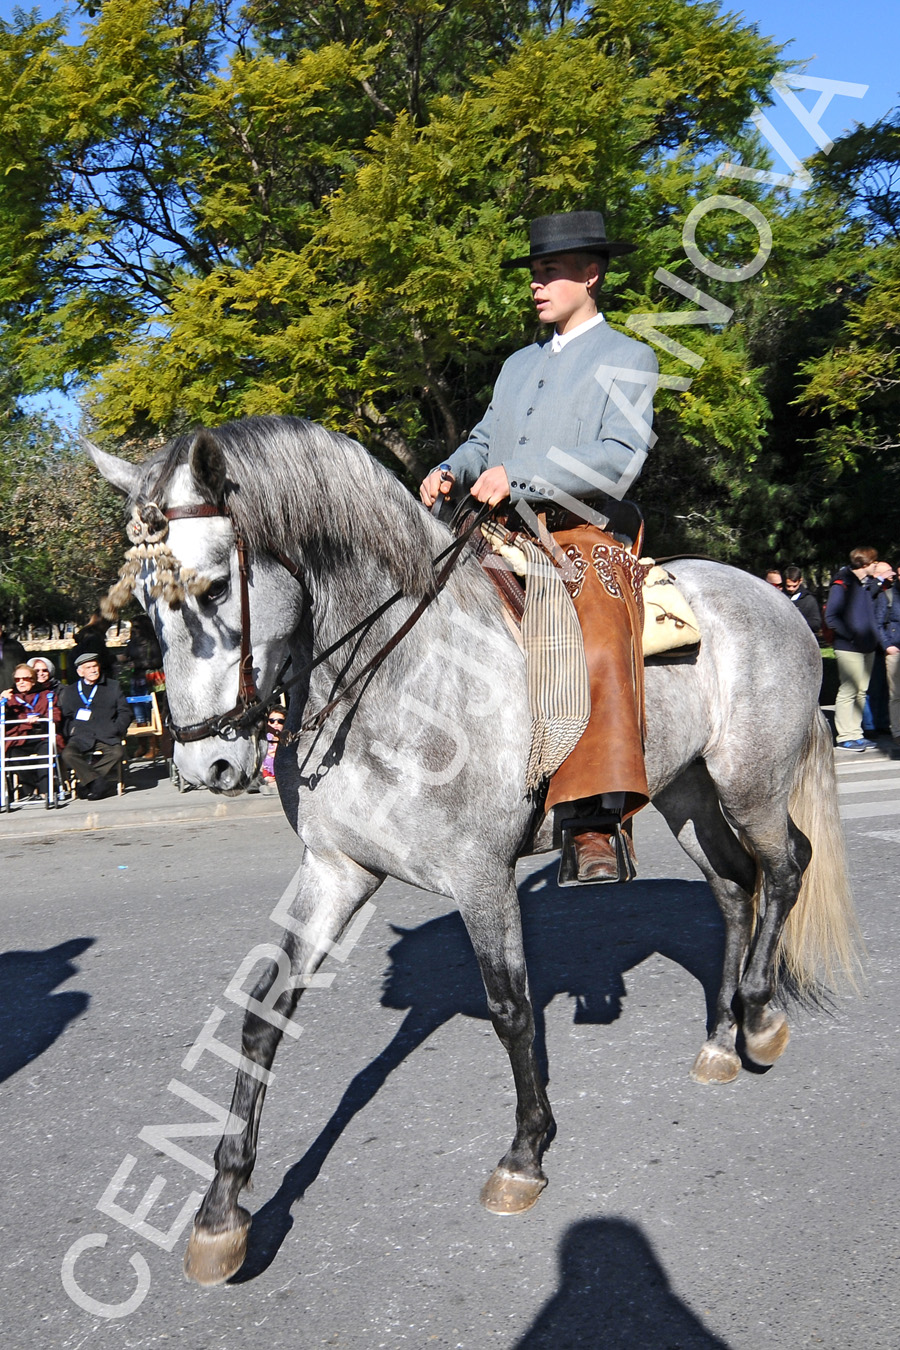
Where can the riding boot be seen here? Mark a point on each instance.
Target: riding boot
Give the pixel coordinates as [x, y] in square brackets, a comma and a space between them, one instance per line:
[596, 849]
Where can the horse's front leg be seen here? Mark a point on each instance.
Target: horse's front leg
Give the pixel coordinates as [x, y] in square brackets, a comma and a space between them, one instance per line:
[496, 933]
[328, 894]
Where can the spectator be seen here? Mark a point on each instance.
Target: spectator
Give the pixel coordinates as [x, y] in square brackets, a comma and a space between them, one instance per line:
[95, 718]
[92, 638]
[850, 613]
[26, 732]
[773, 577]
[808, 605]
[274, 728]
[45, 674]
[143, 650]
[887, 624]
[12, 654]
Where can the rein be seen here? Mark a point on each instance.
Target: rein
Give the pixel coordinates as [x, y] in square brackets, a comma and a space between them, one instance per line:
[250, 708]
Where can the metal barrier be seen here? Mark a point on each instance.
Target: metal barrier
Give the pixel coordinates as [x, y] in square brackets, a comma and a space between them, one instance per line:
[38, 755]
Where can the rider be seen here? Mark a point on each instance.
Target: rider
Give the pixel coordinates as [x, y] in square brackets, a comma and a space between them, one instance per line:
[568, 428]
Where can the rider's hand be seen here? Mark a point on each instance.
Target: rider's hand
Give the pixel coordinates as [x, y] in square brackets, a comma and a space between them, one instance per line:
[492, 486]
[439, 481]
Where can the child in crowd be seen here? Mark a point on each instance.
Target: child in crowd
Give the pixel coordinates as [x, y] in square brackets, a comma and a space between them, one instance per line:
[274, 728]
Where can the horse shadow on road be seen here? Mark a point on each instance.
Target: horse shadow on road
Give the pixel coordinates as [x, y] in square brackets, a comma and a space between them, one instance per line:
[614, 1293]
[579, 943]
[32, 1017]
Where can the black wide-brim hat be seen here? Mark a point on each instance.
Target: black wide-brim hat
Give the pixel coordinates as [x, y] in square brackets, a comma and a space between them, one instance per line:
[569, 232]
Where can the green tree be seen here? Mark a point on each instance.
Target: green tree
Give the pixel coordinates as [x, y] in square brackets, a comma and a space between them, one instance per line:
[838, 392]
[212, 211]
[60, 527]
[301, 209]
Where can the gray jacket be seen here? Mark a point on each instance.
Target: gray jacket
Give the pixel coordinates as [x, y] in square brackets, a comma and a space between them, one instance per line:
[571, 423]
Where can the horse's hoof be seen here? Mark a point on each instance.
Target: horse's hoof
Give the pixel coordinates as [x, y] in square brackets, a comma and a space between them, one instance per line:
[765, 1046]
[506, 1193]
[715, 1065]
[212, 1258]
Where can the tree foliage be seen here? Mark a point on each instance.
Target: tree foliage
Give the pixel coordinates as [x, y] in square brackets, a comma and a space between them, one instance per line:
[213, 210]
[60, 526]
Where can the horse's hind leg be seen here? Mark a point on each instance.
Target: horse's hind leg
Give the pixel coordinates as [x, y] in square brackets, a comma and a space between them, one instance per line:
[692, 811]
[327, 897]
[784, 853]
[496, 933]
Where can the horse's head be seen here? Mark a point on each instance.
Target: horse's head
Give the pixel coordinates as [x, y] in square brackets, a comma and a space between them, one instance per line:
[197, 613]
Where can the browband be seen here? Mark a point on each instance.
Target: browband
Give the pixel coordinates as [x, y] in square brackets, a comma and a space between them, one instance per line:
[193, 512]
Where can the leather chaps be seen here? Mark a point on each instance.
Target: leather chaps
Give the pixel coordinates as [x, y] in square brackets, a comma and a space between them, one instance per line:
[605, 582]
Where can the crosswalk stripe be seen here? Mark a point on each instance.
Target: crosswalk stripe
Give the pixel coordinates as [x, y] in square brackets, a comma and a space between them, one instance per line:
[857, 810]
[882, 786]
[854, 766]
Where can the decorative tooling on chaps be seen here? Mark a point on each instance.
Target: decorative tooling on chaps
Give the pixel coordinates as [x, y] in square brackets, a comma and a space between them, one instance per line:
[603, 557]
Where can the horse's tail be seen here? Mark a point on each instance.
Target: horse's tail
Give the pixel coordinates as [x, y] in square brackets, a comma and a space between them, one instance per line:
[821, 941]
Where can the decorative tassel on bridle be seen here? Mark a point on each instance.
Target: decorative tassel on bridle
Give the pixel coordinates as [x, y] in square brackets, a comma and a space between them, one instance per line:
[148, 530]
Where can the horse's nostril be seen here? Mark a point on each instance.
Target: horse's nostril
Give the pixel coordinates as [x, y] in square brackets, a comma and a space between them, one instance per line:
[221, 774]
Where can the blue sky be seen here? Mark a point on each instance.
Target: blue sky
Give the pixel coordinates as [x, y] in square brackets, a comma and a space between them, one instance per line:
[857, 42]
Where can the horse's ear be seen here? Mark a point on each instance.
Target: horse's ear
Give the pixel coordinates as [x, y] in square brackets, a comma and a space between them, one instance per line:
[124, 477]
[207, 464]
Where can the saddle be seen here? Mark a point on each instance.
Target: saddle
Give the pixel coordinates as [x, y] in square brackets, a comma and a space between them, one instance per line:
[669, 623]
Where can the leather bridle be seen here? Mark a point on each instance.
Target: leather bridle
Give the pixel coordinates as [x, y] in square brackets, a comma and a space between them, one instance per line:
[244, 712]
[250, 709]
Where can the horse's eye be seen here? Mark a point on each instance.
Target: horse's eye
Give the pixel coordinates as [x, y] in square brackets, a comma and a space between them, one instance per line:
[216, 591]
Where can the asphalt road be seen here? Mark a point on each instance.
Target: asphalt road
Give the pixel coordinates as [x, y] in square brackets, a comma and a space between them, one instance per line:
[758, 1214]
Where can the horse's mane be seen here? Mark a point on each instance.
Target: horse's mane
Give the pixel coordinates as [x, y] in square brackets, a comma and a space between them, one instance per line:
[296, 488]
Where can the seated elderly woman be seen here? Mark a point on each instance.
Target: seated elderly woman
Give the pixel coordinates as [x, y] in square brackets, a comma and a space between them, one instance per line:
[27, 729]
[45, 672]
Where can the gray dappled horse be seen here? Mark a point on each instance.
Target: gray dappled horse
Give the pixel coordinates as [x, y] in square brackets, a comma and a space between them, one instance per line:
[419, 774]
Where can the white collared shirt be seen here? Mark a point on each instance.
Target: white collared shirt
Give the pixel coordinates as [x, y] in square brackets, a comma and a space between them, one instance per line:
[559, 340]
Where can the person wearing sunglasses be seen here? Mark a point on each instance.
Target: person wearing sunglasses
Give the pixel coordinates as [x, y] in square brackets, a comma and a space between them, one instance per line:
[45, 674]
[274, 728]
[27, 715]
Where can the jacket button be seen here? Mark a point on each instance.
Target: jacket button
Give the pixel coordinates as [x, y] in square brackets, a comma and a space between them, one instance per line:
[540, 384]
[523, 440]
[530, 411]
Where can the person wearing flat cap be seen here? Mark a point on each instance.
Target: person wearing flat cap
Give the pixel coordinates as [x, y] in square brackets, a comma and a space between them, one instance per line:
[566, 436]
[571, 414]
[96, 716]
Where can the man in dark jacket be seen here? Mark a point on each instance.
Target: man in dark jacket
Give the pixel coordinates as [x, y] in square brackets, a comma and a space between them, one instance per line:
[850, 612]
[800, 597]
[887, 624]
[95, 718]
[92, 638]
[12, 654]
